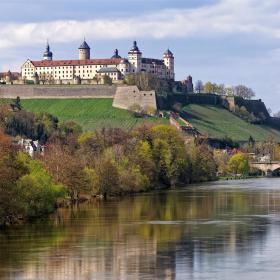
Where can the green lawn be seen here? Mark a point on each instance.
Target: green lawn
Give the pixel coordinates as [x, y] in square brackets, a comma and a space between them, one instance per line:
[91, 114]
[218, 123]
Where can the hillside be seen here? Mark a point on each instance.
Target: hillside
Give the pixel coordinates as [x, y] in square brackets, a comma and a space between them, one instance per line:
[91, 114]
[218, 123]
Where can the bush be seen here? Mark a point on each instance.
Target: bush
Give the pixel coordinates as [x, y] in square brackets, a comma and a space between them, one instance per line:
[38, 191]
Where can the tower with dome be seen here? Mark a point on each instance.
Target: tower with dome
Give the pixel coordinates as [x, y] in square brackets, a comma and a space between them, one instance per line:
[88, 70]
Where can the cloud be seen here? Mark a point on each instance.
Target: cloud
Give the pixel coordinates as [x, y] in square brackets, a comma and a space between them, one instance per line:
[222, 18]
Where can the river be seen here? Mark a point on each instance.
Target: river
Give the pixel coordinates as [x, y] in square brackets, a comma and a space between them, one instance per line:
[223, 230]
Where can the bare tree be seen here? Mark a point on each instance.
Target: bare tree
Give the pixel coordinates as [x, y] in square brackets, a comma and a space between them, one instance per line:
[199, 86]
[276, 115]
[243, 91]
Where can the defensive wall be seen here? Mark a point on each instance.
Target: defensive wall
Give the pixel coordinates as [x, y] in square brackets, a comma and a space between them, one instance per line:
[166, 102]
[127, 96]
[46, 91]
[257, 107]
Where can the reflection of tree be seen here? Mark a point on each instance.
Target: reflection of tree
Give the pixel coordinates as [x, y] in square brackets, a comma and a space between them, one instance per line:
[144, 234]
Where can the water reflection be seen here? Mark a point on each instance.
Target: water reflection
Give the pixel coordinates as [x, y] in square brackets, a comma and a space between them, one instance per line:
[214, 231]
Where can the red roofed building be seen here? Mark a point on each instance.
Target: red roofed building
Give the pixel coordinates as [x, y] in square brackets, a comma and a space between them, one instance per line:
[87, 70]
[9, 77]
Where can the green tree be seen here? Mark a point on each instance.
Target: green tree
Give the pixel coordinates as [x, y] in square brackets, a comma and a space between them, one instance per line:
[210, 87]
[108, 177]
[238, 164]
[107, 80]
[39, 192]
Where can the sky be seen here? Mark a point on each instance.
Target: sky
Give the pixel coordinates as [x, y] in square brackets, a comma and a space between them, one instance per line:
[223, 41]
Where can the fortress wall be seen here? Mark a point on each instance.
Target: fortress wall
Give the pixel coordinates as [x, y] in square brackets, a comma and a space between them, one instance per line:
[166, 102]
[257, 107]
[202, 98]
[30, 91]
[127, 96]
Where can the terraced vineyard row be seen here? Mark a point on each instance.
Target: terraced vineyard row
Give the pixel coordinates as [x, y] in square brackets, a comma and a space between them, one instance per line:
[217, 122]
[90, 113]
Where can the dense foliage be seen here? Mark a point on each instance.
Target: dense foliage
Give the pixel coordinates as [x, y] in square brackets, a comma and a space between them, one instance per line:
[114, 162]
[27, 189]
[78, 165]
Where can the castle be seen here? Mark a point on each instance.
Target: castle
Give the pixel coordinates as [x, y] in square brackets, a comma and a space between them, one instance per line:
[86, 70]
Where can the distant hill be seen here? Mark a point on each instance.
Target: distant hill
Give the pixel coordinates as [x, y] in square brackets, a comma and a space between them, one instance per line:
[91, 113]
[217, 122]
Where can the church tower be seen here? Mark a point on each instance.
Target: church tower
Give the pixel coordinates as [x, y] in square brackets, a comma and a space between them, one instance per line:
[84, 51]
[168, 58]
[48, 55]
[135, 58]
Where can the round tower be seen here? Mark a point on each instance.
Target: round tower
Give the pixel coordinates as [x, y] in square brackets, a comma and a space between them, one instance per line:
[135, 58]
[84, 51]
[124, 66]
[48, 55]
[168, 58]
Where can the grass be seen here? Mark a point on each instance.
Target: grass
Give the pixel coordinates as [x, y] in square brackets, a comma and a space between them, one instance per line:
[217, 122]
[91, 114]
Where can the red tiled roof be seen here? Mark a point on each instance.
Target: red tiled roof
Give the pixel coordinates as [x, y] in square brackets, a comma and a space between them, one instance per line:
[49, 63]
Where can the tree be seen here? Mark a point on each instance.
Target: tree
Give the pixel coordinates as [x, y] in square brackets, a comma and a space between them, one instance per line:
[221, 158]
[202, 164]
[199, 86]
[210, 87]
[238, 164]
[107, 80]
[67, 168]
[43, 78]
[108, 177]
[229, 90]
[220, 89]
[244, 92]
[136, 110]
[97, 79]
[276, 115]
[150, 110]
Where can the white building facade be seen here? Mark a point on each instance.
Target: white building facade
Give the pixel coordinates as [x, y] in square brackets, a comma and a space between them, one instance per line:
[87, 70]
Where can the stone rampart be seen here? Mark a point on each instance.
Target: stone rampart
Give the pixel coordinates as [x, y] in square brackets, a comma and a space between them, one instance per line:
[127, 96]
[31, 91]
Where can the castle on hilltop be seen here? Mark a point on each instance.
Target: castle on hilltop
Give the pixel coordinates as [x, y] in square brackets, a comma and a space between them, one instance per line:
[87, 70]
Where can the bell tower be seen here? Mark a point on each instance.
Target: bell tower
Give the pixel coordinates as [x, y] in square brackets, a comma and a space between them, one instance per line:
[135, 58]
[168, 59]
[48, 55]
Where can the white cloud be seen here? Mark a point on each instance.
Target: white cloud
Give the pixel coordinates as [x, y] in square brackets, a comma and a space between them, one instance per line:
[225, 17]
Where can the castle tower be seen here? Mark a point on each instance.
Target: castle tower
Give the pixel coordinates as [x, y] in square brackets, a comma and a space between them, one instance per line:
[48, 55]
[168, 58]
[84, 51]
[116, 54]
[135, 58]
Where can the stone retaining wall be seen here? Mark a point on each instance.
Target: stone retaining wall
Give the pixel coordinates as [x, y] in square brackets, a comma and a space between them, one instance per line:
[127, 96]
[30, 91]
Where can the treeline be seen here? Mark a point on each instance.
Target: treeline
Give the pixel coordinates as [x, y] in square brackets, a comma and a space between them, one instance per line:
[15, 121]
[115, 162]
[77, 166]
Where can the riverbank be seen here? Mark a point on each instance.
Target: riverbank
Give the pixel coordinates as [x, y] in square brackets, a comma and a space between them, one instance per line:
[148, 235]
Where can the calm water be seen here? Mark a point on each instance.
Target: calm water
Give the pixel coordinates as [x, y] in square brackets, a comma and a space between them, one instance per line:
[224, 230]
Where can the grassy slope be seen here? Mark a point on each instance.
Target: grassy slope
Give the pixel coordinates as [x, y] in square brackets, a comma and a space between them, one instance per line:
[218, 122]
[90, 113]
